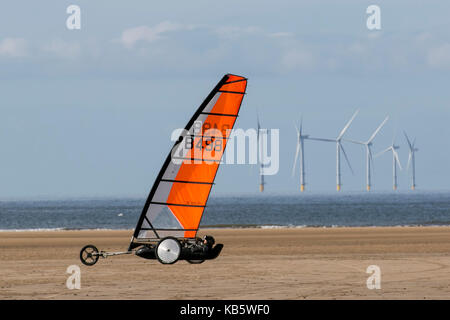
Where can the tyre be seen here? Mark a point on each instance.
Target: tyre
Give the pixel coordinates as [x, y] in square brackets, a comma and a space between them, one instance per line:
[89, 255]
[168, 250]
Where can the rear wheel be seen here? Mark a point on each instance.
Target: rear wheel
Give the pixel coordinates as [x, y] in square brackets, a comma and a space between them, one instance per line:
[89, 255]
[168, 250]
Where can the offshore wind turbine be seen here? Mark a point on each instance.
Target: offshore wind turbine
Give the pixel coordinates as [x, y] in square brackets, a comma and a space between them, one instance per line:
[260, 155]
[339, 147]
[368, 147]
[393, 148]
[300, 152]
[412, 160]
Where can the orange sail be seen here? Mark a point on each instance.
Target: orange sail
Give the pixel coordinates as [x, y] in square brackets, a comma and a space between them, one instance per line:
[179, 195]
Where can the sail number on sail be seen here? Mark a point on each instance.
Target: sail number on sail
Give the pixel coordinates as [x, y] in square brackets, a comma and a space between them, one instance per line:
[204, 142]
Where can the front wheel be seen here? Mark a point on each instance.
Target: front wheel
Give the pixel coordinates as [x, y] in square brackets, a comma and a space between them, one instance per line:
[89, 255]
[168, 250]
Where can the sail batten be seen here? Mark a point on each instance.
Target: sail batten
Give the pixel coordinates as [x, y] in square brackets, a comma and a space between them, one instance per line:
[181, 181]
[178, 204]
[178, 198]
[220, 114]
[237, 92]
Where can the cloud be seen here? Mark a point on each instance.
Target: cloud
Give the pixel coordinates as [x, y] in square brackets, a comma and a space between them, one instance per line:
[280, 34]
[13, 47]
[233, 32]
[169, 46]
[439, 57]
[148, 34]
[218, 45]
[63, 49]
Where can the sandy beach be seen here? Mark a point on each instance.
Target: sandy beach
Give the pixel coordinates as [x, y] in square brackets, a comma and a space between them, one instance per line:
[308, 263]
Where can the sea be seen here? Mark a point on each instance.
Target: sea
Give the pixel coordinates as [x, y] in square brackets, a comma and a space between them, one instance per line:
[239, 211]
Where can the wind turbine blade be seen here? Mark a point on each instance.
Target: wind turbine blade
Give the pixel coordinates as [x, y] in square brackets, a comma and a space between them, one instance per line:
[353, 141]
[296, 157]
[384, 151]
[297, 129]
[346, 158]
[377, 130]
[409, 142]
[320, 139]
[347, 125]
[301, 124]
[396, 158]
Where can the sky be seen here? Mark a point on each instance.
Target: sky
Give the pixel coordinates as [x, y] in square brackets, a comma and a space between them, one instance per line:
[89, 112]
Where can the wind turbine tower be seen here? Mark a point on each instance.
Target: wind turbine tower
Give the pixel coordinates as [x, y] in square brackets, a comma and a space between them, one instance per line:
[412, 160]
[300, 152]
[260, 154]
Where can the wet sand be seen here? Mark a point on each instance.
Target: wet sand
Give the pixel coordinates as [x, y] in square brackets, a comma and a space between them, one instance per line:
[309, 263]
